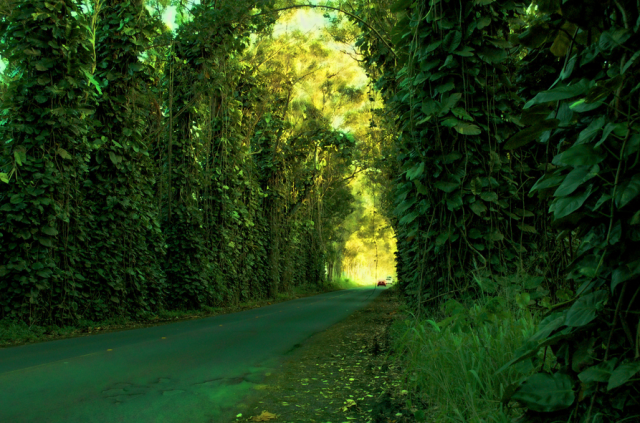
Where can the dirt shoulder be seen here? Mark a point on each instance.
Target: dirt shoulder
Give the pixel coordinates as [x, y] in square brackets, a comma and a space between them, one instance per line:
[344, 374]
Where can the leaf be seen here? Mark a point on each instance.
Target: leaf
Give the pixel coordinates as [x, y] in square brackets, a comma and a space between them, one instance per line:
[430, 106]
[49, 231]
[452, 41]
[622, 374]
[527, 228]
[489, 196]
[495, 236]
[415, 171]
[461, 113]
[409, 218]
[535, 35]
[45, 241]
[265, 416]
[4, 178]
[20, 155]
[584, 310]
[579, 155]
[478, 208]
[115, 299]
[466, 51]
[442, 238]
[543, 392]
[564, 206]
[624, 273]
[115, 159]
[630, 62]
[522, 299]
[492, 55]
[92, 80]
[63, 153]
[549, 180]
[449, 102]
[590, 131]
[561, 93]
[613, 38]
[575, 179]
[446, 186]
[601, 372]
[420, 187]
[454, 202]
[627, 191]
[467, 129]
[476, 186]
[527, 135]
[404, 206]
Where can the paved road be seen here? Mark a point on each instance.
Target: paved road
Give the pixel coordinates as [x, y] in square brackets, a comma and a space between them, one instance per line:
[193, 371]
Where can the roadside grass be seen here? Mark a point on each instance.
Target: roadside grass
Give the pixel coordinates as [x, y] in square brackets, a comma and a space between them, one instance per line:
[451, 357]
[13, 333]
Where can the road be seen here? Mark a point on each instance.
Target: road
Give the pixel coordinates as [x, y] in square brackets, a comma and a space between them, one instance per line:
[192, 371]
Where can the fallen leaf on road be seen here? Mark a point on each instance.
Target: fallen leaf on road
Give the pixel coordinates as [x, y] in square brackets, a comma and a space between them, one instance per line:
[264, 417]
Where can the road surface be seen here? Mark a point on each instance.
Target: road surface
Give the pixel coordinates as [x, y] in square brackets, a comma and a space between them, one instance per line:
[193, 371]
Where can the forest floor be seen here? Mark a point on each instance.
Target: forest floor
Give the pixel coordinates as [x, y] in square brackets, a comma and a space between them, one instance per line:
[15, 334]
[343, 374]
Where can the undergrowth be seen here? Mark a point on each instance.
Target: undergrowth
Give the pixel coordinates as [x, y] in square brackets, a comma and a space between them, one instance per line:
[13, 332]
[451, 358]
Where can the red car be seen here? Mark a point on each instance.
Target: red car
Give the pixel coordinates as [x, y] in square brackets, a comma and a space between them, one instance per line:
[381, 282]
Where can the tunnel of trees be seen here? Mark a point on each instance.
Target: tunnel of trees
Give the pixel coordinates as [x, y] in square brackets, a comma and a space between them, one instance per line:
[145, 169]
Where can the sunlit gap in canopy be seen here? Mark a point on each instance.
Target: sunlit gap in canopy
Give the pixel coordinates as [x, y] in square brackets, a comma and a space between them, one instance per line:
[336, 86]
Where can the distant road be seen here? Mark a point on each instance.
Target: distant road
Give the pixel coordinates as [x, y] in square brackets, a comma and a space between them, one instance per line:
[188, 372]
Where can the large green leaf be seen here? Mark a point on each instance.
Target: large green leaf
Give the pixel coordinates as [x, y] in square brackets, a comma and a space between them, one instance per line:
[478, 208]
[546, 393]
[575, 179]
[564, 206]
[446, 186]
[403, 206]
[467, 129]
[561, 93]
[549, 180]
[627, 191]
[527, 135]
[489, 196]
[591, 131]
[579, 155]
[452, 41]
[601, 372]
[622, 374]
[409, 218]
[415, 171]
[585, 309]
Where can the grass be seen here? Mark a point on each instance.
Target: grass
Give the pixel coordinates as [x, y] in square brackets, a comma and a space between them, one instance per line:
[451, 366]
[13, 333]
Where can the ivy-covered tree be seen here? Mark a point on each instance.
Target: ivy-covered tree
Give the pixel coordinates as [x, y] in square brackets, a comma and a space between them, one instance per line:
[44, 160]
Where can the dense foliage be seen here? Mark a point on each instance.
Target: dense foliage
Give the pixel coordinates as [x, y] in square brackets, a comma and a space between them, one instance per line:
[518, 152]
[146, 170]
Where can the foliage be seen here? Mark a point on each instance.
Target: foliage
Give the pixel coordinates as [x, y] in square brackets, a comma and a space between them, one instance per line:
[44, 159]
[146, 171]
[518, 154]
[450, 365]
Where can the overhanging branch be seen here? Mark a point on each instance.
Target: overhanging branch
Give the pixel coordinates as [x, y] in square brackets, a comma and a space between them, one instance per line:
[351, 15]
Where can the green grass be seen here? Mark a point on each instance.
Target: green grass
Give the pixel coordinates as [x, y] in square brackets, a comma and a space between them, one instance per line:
[451, 366]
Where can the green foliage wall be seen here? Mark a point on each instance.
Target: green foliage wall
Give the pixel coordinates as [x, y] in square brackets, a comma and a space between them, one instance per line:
[44, 160]
[143, 170]
[519, 156]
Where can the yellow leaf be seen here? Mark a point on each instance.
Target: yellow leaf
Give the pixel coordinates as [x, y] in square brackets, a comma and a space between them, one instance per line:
[265, 416]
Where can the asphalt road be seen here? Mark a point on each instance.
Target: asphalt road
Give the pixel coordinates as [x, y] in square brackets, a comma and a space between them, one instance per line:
[193, 371]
